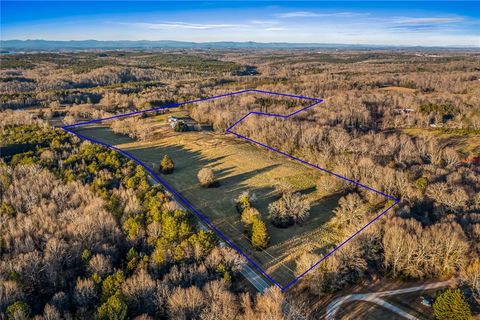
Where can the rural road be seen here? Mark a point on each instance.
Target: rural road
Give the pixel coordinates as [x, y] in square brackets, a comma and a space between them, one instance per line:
[253, 277]
[375, 297]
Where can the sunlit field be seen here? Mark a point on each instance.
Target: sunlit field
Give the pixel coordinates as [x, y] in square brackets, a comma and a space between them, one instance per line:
[240, 166]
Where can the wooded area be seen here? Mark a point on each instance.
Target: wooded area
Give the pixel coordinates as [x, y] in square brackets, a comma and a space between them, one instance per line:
[83, 234]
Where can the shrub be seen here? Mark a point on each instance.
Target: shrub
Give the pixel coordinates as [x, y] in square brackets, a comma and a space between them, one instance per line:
[166, 165]
[180, 126]
[451, 305]
[206, 177]
[421, 184]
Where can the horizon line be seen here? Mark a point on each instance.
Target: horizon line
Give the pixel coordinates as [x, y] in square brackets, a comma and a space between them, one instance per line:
[306, 44]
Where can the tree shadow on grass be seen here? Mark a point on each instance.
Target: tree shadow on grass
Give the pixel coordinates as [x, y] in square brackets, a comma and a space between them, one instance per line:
[185, 160]
[102, 133]
[231, 186]
[323, 208]
[217, 204]
[188, 163]
[308, 191]
[241, 177]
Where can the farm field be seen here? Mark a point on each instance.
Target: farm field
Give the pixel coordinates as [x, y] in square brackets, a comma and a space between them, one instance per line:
[240, 166]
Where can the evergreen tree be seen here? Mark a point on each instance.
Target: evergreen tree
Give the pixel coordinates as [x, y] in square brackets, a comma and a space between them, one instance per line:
[259, 234]
[113, 309]
[18, 310]
[249, 215]
[112, 285]
[167, 165]
[242, 202]
[451, 305]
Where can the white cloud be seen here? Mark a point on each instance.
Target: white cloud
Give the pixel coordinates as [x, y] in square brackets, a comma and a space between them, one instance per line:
[430, 20]
[424, 24]
[296, 14]
[264, 22]
[309, 14]
[267, 25]
[184, 25]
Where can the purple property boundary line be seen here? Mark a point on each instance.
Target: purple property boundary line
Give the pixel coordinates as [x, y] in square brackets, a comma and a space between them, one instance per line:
[201, 216]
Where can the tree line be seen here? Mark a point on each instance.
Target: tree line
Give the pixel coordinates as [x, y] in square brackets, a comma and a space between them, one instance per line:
[83, 234]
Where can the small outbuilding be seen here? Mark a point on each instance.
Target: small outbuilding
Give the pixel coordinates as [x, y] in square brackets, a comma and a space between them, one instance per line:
[172, 119]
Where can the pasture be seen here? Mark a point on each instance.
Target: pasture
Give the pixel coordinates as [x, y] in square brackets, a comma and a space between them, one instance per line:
[239, 166]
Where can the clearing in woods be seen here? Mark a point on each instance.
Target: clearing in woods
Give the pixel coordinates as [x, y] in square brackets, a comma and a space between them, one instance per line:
[239, 166]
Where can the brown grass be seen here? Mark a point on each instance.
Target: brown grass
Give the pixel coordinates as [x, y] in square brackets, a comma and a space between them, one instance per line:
[466, 144]
[399, 89]
[239, 166]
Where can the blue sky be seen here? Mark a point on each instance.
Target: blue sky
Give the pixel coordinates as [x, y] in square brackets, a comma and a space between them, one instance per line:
[450, 23]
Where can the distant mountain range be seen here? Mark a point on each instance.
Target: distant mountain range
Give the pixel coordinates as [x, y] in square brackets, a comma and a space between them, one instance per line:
[72, 45]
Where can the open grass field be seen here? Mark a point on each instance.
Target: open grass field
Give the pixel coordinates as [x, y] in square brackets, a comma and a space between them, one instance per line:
[468, 144]
[239, 166]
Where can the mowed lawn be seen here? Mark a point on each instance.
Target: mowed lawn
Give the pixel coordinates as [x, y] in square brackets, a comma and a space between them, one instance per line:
[239, 166]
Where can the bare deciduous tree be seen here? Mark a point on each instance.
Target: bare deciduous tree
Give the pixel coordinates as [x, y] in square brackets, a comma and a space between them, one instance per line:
[206, 177]
[185, 303]
[471, 276]
[417, 252]
[351, 211]
[101, 265]
[85, 293]
[223, 304]
[138, 291]
[291, 208]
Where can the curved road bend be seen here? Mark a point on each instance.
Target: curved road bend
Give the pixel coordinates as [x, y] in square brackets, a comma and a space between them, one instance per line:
[375, 297]
[261, 285]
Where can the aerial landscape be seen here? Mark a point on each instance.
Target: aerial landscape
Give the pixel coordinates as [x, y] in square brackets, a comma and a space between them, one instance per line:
[227, 160]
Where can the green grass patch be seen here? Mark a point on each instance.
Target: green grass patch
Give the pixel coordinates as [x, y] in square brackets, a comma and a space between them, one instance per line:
[239, 166]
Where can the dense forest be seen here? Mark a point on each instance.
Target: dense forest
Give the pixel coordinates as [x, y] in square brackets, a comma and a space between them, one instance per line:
[83, 233]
